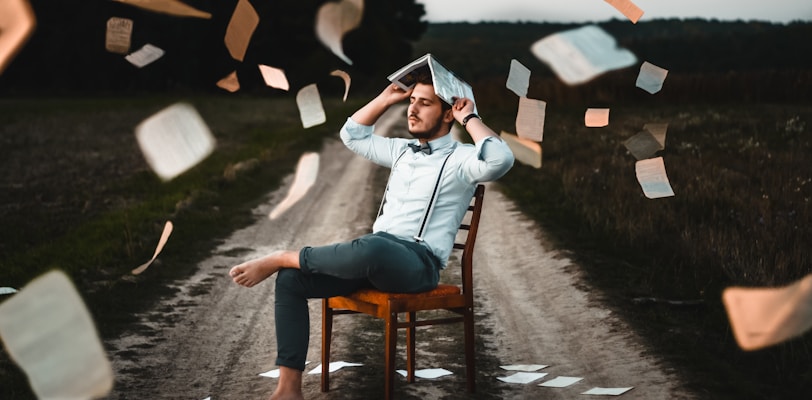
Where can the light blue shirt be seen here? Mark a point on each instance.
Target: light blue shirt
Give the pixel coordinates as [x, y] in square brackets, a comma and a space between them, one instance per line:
[414, 177]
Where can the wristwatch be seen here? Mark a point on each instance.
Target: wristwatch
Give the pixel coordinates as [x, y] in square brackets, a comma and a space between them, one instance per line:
[468, 118]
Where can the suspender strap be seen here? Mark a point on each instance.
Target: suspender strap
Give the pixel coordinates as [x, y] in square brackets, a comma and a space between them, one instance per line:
[386, 190]
[430, 206]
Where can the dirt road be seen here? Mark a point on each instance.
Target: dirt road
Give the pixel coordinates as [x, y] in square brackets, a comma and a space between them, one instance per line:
[213, 338]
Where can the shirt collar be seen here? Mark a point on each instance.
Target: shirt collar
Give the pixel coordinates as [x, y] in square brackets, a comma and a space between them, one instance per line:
[442, 142]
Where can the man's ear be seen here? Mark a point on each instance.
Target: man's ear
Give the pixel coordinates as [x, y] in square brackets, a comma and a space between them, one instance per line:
[448, 116]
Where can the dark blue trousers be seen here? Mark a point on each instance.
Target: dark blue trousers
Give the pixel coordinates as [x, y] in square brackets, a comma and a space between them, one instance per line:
[377, 260]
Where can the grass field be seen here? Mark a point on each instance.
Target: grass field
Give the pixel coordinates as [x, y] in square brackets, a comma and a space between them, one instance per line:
[77, 195]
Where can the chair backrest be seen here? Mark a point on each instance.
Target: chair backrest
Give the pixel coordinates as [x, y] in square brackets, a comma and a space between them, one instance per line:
[467, 246]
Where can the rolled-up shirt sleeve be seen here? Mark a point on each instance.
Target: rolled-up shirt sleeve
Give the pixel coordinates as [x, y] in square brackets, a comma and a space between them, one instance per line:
[360, 140]
[491, 161]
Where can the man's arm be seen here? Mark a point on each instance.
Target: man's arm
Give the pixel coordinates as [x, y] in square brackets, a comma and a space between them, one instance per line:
[476, 128]
[494, 157]
[369, 114]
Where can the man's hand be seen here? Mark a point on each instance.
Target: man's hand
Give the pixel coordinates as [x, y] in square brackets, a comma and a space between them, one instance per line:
[391, 95]
[462, 108]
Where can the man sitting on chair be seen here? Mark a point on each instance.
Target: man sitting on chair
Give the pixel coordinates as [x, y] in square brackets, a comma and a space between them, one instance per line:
[430, 187]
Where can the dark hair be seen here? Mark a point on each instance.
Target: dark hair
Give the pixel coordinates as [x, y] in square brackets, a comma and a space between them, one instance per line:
[423, 75]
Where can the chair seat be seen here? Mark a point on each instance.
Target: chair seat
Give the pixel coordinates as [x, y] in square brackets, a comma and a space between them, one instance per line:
[378, 297]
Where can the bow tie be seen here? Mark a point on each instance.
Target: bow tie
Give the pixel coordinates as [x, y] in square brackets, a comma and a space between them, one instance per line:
[421, 147]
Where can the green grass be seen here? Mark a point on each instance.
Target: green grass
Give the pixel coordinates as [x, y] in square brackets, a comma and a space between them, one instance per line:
[742, 175]
[96, 222]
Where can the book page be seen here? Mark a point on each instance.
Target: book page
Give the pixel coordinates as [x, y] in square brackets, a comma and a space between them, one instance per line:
[49, 333]
[274, 77]
[243, 22]
[525, 151]
[651, 77]
[346, 77]
[229, 82]
[119, 32]
[627, 8]
[518, 78]
[174, 140]
[334, 20]
[651, 175]
[311, 110]
[642, 145]
[17, 22]
[145, 55]
[170, 7]
[530, 119]
[596, 117]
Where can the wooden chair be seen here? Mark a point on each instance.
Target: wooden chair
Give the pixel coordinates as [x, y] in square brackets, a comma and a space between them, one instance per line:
[387, 306]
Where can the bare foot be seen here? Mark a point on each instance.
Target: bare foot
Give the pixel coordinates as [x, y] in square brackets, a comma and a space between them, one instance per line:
[253, 272]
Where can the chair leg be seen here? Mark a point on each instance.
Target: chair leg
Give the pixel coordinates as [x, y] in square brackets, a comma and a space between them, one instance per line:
[326, 336]
[391, 348]
[470, 372]
[410, 347]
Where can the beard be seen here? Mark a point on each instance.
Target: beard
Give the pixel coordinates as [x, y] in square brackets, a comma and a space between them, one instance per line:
[430, 132]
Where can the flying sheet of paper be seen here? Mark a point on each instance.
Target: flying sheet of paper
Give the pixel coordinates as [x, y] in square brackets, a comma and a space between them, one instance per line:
[561, 381]
[522, 377]
[229, 82]
[145, 55]
[596, 117]
[346, 77]
[119, 32]
[161, 243]
[642, 145]
[306, 172]
[652, 178]
[429, 373]
[658, 132]
[627, 8]
[530, 119]
[171, 7]
[335, 19]
[274, 77]
[762, 317]
[243, 22]
[523, 367]
[17, 22]
[578, 55]
[525, 151]
[333, 367]
[599, 391]
[174, 140]
[7, 290]
[651, 77]
[518, 78]
[49, 333]
[310, 109]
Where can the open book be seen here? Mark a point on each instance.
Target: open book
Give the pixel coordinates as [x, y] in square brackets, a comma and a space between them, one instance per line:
[446, 85]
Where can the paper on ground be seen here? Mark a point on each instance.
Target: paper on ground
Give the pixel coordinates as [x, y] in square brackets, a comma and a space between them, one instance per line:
[530, 119]
[430, 373]
[642, 145]
[525, 151]
[244, 21]
[310, 109]
[596, 117]
[658, 132]
[652, 178]
[170, 7]
[274, 77]
[346, 77]
[607, 391]
[229, 82]
[306, 172]
[627, 8]
[333, 367]
[119, 32]
[522, 377]
[161, 242]
[651, 77]
[518, 78]
[7, 290]
[447, 86]
[174, 140]
[17, 22]
[145, 55]
[580, 54]
[763, 317]
[523, 367]
[561, 381]
[49, 333]
[336, 19]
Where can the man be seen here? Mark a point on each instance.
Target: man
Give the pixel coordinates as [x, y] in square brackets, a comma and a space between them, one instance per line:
[430, 187]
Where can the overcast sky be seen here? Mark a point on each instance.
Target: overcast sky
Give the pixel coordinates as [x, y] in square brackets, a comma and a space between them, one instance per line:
[598, 10]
